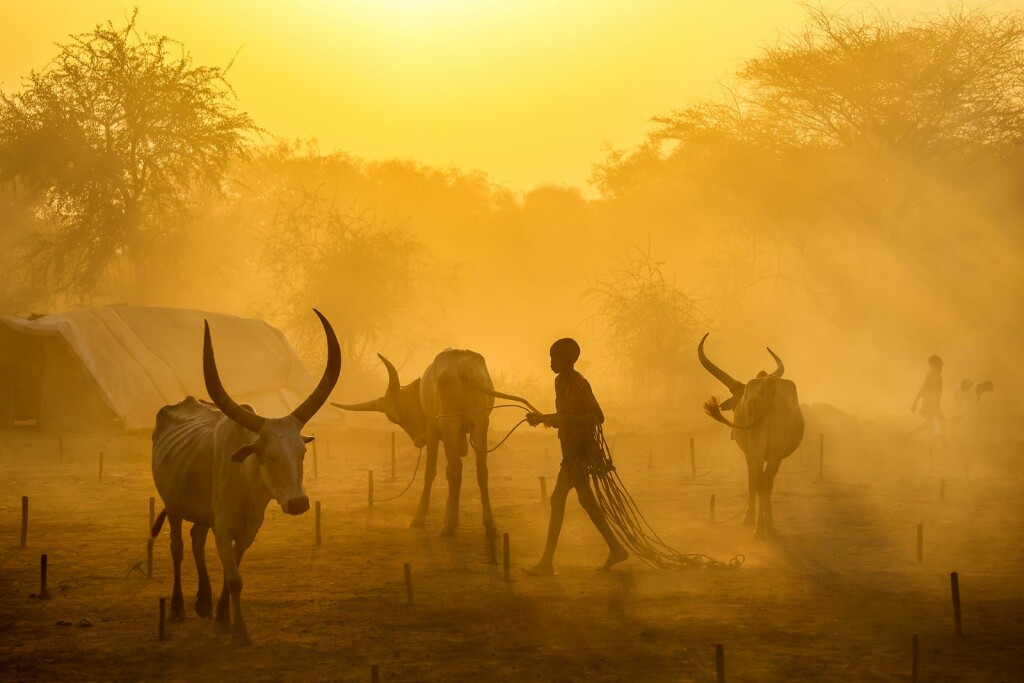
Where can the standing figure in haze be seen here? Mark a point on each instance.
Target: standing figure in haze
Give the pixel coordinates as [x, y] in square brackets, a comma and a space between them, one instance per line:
[930, 398]
[577, 416]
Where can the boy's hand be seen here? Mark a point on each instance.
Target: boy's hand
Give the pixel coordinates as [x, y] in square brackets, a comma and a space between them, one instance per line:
[534, 419]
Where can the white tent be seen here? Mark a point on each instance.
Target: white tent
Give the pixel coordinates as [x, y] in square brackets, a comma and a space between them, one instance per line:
[114, 367]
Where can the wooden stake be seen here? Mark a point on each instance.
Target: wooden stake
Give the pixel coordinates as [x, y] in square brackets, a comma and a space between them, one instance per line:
[374, 673]
[920, 543]
[407, 568]
[370, 494]
[24, 520]
[506, 559]
[711, 508]
[720, 662]
[152, 513]
[693, 461]
[101, 466]
[543, 489]
[914, 650]
[42, 577]
[393, 451]
[954, 584]
[821, 457]
[317, 515]
[149, 559]
[163, 616]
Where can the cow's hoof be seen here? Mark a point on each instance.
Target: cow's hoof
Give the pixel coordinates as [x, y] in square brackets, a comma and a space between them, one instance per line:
[418, 520]
[240, 638]
[447, 531]
[177, 614]
[204, 608]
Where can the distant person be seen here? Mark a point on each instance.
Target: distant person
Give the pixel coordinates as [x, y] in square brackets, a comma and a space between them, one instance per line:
[577, 415]
[930, 398]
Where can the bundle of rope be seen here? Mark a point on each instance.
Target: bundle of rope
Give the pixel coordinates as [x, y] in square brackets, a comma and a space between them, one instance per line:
[629, 524]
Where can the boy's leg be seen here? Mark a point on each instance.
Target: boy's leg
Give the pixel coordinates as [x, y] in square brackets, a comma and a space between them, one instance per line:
[616, 553]
[558, 497]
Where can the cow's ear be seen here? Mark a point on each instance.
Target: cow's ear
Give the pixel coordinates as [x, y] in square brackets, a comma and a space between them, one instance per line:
[307, 439]
[244, 452]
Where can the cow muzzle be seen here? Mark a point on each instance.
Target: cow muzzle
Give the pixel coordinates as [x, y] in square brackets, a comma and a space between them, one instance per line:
[296, 506]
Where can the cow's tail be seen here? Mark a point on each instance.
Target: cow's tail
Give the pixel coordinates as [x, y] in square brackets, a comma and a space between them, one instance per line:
[714, 410]
[497, 394]
[158, 524]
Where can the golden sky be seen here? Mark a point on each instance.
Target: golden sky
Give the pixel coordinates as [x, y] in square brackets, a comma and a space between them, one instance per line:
[525, 90]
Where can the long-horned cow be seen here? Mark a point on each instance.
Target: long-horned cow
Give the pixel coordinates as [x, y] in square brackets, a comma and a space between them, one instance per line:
[769, 426]
[205, 475]
[452, 399]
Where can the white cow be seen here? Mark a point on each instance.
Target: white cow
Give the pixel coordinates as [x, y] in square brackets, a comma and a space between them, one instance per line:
[205, 475]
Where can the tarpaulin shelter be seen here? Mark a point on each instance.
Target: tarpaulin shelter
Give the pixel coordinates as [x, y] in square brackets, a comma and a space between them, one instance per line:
[114, 367]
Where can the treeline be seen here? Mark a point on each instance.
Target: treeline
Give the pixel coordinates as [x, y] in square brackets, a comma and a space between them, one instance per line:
[853, 195]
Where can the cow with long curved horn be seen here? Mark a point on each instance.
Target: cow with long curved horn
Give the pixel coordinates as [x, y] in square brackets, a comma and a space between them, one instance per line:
[768, 428]
[451, 400]
[218, 466]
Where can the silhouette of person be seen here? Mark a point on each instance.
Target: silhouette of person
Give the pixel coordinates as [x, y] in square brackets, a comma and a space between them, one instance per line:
[930, 398]
[576, 416]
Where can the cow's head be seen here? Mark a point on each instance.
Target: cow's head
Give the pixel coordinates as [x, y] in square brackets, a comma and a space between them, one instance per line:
[280, 445]
[400, 404]
[756, 397]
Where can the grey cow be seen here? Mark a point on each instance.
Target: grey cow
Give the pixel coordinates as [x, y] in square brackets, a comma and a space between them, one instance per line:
[452, 399]
[205, 475]
[769, 427]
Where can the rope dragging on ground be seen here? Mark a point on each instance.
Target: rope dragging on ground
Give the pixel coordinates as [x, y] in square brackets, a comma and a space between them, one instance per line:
[407, 486]
[629, 524]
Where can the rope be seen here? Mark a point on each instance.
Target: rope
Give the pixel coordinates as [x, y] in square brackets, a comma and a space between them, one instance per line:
[408, 486]
[629, 524]
[460, 416]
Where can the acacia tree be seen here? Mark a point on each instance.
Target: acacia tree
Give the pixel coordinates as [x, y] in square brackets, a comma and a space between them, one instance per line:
[370, 279]
[113, 137]
[651, 324]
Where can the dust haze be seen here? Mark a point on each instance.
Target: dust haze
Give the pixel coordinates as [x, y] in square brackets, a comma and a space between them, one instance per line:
[848, 193]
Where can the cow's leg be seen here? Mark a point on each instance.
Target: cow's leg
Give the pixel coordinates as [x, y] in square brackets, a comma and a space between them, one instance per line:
[429, 472]
[230, 557]
[765, 522]
[177, 554]
[480, 448]
[204, 596]
[455, 447]
[753, 483]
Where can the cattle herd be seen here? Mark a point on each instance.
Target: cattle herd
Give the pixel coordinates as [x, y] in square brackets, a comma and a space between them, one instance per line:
[218, 464]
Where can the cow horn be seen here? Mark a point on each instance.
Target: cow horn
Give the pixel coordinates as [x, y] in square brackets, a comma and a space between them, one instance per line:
[779, 367]
[323, 390]
[717, 372]
[376, 405]
[249, 420]
[394, 385]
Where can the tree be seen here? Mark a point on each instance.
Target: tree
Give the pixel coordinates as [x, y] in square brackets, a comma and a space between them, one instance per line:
[113, 136]
[369, 279]
[651, 325]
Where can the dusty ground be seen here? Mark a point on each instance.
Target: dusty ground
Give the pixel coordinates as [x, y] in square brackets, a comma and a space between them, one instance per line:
[835, 599]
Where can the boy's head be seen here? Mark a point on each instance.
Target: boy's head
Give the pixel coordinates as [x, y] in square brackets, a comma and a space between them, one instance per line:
[935, 362]
[564, 354]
